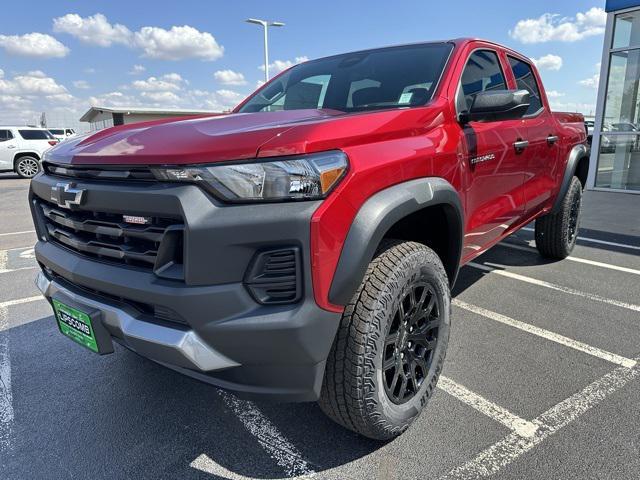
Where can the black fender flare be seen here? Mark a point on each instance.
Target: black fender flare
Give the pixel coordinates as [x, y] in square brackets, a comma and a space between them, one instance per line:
[577, 153]
[378, 214]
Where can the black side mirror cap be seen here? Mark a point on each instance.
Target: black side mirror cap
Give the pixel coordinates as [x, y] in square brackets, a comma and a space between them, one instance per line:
[496, 105]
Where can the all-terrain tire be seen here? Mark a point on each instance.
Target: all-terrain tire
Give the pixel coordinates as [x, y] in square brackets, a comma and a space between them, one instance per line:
[556, 233]
[356, 392]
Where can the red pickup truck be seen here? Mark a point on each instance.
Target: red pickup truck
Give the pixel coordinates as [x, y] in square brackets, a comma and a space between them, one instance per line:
[303, 247]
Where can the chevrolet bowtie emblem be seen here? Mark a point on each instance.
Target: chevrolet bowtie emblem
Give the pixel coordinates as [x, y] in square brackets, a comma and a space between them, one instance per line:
[65, 194]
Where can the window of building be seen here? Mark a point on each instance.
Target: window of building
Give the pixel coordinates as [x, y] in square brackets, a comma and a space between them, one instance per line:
[619, 143]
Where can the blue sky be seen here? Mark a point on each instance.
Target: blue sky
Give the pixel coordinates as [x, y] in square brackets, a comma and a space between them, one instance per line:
[62, 56]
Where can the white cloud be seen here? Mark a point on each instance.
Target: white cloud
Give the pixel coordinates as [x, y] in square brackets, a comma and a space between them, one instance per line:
[89, 70]
[177, 43]
[554, 94]
[591, 82]
[281, 65]
[166, 98]
[31, 83]
[33, 45]
[82, 84]
[95, 30]
[548, 62]
[551, 27]
[170, 81]
[137, 69]
[229, 77]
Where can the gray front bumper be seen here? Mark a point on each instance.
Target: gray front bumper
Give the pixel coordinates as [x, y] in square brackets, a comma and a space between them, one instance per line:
[183, 348]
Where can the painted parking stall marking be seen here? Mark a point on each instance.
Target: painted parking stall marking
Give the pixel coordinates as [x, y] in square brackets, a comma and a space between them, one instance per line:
[6, 394]
[532, 249]
[504, 452]
[541, 332]
[285, 454]
[595, 240]
[519, 426]
[15, 259]
[498, 270]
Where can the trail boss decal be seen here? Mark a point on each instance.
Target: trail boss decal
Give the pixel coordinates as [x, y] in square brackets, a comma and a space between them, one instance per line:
[482, 158]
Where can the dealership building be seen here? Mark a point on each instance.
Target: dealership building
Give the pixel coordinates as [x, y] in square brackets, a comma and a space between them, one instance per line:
[615, 153]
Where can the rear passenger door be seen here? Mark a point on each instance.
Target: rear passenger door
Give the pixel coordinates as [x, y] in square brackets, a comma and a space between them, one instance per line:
[493, 168]
[543, 151]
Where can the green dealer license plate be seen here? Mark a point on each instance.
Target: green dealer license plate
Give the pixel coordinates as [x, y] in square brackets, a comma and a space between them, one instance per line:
[76, 325]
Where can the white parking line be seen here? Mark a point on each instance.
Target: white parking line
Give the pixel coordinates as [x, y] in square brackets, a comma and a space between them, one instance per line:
[18, 301]
[17, 233]
[496, 268]
[207, 465]
[6, 395]
[504, 452]
[595, 240]
[574, 259]
[518, 425]
[541, 332]
[269, 437]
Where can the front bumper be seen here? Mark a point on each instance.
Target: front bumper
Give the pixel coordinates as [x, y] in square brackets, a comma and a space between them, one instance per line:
[227, 338]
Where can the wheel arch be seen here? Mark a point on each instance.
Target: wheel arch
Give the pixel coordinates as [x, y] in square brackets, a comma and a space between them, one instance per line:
[402, 211]
[577, 165]
[25, 153]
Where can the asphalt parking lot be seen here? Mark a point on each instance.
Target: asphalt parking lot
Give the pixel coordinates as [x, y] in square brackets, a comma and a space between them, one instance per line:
[541, 381]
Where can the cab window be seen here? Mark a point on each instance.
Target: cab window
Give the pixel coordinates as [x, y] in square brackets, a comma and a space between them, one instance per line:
[481, 73]
[526, 80]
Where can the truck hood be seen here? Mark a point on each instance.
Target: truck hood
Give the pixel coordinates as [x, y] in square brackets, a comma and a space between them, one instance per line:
[183, 141]
[242, 136]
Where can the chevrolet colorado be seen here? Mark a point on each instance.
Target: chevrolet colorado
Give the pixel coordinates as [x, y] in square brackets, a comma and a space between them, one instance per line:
[303, 247]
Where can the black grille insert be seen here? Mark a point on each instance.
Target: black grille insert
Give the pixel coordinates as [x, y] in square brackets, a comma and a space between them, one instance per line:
[100, 172]
[274, 276]
[156, 245]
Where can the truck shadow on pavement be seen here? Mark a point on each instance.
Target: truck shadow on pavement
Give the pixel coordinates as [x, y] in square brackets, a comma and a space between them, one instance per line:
[78, 415]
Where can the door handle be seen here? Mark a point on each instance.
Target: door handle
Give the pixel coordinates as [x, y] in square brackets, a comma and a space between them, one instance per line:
[551, 139]
[521, 144]
[11, 146]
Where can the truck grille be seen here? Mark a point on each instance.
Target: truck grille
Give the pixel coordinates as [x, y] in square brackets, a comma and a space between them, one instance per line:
[108, 237]
[101, 172]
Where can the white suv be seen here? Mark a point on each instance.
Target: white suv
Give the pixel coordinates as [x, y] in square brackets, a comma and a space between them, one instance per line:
[21, 149]
[62, 133]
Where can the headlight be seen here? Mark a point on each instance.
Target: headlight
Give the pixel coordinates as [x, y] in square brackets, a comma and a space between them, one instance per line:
[305, 177]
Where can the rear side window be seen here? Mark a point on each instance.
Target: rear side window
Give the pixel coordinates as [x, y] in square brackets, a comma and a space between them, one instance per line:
[481, 73]
[526, 80]
[5, 135]
[35, 134]
[57, 132]
[69, 131]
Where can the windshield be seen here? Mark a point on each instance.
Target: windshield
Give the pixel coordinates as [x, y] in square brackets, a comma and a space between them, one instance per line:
[392, 77]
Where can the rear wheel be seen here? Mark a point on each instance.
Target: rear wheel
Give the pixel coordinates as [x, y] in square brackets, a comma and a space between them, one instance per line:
[556, 233]
[27, 166]
[391, 344]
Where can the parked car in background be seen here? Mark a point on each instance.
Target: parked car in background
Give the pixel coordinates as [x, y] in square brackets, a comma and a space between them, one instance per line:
[21, 149]
[303, 247]
[589, 125]
[62, 133]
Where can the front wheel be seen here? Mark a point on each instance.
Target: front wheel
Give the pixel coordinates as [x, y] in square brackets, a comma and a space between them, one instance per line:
[27, 167]
[389, 350]
[556, 233]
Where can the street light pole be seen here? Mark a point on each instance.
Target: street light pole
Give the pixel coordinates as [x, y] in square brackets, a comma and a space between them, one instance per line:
[265, 26]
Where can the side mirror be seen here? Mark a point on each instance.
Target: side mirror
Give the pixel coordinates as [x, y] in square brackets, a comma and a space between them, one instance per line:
[495, 105]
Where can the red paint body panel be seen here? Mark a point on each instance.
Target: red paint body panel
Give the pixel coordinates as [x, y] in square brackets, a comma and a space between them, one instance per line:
[385, 148]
